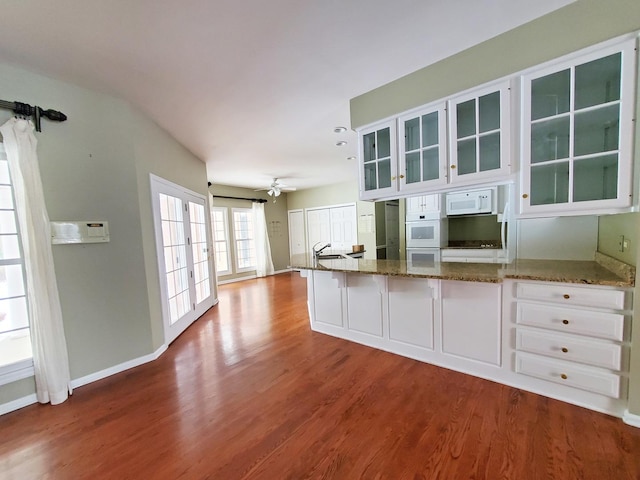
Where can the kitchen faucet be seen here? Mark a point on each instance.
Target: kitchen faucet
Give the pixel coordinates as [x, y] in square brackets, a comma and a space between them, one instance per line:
[316, 253]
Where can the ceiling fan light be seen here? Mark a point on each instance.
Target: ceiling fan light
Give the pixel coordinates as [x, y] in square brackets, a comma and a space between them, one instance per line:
[276, 192]
[270, 192]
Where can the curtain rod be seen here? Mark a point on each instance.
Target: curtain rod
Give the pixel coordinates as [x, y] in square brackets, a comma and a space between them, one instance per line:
[36, 112]
[254, 200]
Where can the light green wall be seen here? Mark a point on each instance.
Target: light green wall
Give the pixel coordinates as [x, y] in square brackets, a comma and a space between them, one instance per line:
[95, 166]
[276, 217]
[578, 25]
[610, 227]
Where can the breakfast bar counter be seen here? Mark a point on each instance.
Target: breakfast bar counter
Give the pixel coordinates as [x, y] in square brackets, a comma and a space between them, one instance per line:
[603, 270]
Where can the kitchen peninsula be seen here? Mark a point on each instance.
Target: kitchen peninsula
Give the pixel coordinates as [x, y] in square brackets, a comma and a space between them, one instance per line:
[556, 328]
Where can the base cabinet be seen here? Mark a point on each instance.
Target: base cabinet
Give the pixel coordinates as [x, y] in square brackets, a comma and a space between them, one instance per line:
[569, 341]
[471, 324]
[411, 311]
[565, 341]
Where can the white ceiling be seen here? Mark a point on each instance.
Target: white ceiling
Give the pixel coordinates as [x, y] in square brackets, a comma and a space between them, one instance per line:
[254, 88]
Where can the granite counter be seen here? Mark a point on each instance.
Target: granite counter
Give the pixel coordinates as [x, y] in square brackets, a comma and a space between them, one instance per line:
[603, 271]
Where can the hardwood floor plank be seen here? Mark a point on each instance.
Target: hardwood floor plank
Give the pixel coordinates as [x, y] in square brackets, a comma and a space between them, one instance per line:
[250, 392]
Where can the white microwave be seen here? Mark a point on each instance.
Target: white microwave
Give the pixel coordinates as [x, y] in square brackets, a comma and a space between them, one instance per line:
[426, 234]
[472, 202]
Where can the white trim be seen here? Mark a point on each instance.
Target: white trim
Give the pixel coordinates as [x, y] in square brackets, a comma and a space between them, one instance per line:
[107, 372]
[631, 419]
[15, 372]
[237, 279]
[94, 377]
[18, 404]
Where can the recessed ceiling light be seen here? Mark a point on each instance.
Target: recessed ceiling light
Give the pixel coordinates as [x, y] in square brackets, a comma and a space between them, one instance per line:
[351, 158]
[339, 129]
[341, 143]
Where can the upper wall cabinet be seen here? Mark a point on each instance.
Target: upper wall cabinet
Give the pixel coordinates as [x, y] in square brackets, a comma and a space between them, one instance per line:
[479, 125]
[423, 148]
[577, 131]
[378, 161]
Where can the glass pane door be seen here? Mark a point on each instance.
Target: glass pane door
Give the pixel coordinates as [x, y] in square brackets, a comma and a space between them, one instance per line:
[199, 251]
[175, 256]
[183, 243]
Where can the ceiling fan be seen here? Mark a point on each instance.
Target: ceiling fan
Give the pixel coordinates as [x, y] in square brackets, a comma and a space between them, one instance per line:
[276, 188]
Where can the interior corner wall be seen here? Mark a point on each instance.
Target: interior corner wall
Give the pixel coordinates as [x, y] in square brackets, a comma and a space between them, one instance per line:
[158, 153]
[90, 167]
[575, 26]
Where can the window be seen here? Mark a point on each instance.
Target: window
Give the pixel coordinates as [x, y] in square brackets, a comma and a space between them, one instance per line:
[243, 233]
[221, 240]
[15, 340]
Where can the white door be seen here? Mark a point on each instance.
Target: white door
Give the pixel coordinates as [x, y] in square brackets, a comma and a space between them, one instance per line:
[344, 230]
[296, 232]
[318, 227]
[183, 246]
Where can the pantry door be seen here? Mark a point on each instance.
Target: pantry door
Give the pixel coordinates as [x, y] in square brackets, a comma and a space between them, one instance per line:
[183, 243]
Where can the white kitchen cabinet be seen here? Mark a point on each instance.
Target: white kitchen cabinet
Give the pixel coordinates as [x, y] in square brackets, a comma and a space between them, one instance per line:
[572, 335]
[378, 161]
[425, 207]
[364, 303]
[577, 132]
[411, 311]
[480, 135]
[471, 320]
[423, 148]
[329, 298]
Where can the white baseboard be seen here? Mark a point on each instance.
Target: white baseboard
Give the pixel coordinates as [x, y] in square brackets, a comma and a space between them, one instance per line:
[631, 419]
[79, 382]
[18, 404]
[107, 372]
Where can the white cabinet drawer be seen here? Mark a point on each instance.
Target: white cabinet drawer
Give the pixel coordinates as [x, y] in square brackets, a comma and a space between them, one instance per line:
[574, 295]
[572, 375]
[570, 347]
[572, 320]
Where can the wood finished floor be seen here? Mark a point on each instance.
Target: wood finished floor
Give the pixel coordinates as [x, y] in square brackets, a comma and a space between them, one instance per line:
[249, 392]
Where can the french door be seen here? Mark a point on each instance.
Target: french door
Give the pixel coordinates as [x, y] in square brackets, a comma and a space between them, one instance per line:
[184, 262]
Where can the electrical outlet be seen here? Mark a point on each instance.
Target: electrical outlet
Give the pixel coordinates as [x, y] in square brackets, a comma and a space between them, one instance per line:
[621, 243]
[625, 244]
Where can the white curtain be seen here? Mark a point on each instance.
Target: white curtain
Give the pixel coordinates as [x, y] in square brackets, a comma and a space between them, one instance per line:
[264, 263]
[50, 358]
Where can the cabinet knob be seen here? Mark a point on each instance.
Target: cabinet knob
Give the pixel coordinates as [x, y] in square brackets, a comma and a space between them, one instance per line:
[453, 167]
[563, 376]
[566, 296]
[565, 322]
[401, 176]
[525, 195]
[564, 350]
[393, 178]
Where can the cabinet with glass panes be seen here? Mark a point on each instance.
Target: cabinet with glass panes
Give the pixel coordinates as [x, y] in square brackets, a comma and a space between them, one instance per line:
[423, 148]
[378, 160]
[480, 138]
[577, 133]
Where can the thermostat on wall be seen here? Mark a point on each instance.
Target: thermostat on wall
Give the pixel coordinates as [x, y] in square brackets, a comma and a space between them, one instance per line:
[79, 232]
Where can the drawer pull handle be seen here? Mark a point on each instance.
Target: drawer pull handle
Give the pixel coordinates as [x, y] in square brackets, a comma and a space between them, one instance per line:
[565, 322]
[564, 350]
[566, 296]
[563, 376]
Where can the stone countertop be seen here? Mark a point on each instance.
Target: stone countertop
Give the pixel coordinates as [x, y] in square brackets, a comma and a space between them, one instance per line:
[603, 271]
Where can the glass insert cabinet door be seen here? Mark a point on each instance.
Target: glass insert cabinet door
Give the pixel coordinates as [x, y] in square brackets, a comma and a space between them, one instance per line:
[576, 144]
[378, 160]
[423, 152]
[479, 122]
